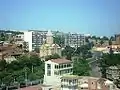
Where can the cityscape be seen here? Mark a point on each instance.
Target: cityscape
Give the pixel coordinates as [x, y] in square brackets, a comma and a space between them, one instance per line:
[55, 59]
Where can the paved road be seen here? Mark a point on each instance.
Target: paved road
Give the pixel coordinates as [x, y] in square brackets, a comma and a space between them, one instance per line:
[95, 69]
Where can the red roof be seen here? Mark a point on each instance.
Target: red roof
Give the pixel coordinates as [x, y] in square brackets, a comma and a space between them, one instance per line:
[31, 88]
[60, 61]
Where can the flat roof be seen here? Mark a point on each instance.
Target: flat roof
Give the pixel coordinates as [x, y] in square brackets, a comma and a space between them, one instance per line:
[70, 77]
[60, 61]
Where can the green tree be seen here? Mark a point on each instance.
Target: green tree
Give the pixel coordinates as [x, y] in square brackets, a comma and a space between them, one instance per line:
[108, 60]
[32, 66]
[101, 42]
[68, 52]
[37, 50]
[84, 51]
[54, 56]
[59, 39]
[3, 65]
[81, 67]
[104, 38]
[110, 42]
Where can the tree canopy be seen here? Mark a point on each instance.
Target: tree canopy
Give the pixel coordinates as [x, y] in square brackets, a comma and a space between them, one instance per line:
[54, 56]
[32, 65]
[108, 60]
[81, 67]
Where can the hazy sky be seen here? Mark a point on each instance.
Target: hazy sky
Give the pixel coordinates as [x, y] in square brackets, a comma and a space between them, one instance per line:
[99, 17]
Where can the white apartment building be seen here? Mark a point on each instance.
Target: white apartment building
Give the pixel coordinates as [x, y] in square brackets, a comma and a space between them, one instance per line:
[34, 38]
[55, 69]
[74, 40]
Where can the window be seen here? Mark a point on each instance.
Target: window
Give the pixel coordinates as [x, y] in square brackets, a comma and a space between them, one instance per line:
[64, 65]
[56, 66]
[48, 66]
[48, 73]
[55, 72]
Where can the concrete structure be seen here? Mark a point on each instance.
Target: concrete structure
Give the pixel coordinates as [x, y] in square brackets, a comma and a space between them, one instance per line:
[55, 69]
[113, 73]
[9, 52]
[106, 49]
[49, 47]
[86, 83]
[74, 40]
[73, 82]
[69, 82]
[34, 38]
[117, 39]
[19, 37]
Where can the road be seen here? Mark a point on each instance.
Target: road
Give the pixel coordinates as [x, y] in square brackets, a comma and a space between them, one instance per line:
[95, 72]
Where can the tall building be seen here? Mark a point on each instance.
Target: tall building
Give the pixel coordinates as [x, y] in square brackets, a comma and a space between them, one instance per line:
[34, 38]
[74, 40]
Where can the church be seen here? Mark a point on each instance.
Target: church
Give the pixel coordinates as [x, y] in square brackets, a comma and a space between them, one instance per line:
[49, 48]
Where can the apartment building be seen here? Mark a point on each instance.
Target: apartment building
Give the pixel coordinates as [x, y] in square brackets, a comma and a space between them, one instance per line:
[34, 38]
[74, 40]
[55, 69]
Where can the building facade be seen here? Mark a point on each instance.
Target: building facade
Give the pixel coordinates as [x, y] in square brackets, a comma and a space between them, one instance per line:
[74, 40]
[49, 48]
[72, 82]
[55, 69]
[69, 82]
[34, 38]
[117, 39]
[113, 73]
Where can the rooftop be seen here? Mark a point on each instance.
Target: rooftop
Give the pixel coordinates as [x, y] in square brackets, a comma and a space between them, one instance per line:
[70, 77]
[60, 61]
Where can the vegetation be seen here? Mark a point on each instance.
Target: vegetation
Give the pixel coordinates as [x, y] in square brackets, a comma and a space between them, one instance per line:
[81, 67]
[108, 60]
[4, 35]
[54, 56]
[60, 40]
[80, 64]
[68, 52]
[30, 68]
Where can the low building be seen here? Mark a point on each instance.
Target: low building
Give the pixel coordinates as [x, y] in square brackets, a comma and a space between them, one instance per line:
[19, 37]
[55, 69]
[9, 52]
[113, 73]
[117, 36]
[71, 82]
